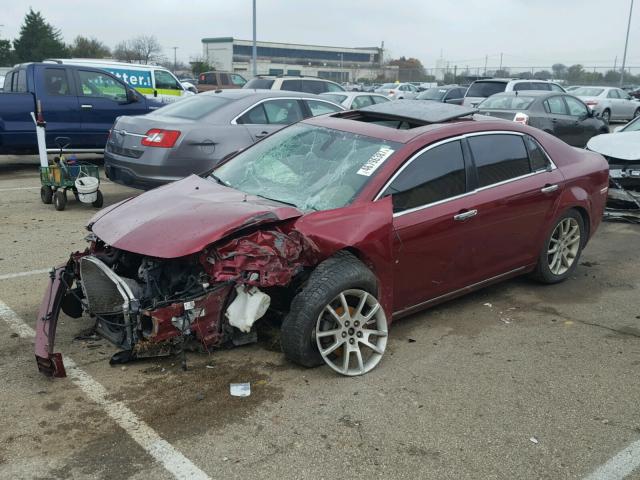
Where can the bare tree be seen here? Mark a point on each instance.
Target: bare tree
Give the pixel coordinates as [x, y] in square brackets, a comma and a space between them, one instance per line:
[147, 48]
[143, 49]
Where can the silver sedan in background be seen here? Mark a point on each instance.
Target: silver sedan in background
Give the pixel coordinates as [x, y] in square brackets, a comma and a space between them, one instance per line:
[195, 134]
[355, 100]
[398, 91]
[610, 103]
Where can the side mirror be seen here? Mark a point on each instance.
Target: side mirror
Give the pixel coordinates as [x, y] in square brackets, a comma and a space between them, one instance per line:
[132, 96]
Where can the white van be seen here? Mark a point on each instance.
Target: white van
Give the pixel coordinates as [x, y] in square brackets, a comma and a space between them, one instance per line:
[150, 80]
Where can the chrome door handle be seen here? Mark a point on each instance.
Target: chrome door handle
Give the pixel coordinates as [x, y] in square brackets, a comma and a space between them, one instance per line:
[464, 215]
[549, 188]
[86, 106]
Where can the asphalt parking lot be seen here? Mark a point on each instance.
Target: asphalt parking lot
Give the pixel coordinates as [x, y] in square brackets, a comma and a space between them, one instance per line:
[515, 381]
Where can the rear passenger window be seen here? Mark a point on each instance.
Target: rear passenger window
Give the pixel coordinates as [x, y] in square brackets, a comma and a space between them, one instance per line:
[435, 175]
[379, 99]
[292, 85]
[361, 101]
[283, 112]
[255, 116]
[539, 160]
[320, 108]
[499, 158]
[522, 86]
[20, 81]
[313, 86]
[224, 79]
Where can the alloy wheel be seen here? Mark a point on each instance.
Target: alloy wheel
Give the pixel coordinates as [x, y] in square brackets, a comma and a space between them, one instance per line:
[351, 332]
[564, 245]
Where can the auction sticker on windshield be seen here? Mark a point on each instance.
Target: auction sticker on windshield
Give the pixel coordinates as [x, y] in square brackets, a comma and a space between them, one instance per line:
[375, 161]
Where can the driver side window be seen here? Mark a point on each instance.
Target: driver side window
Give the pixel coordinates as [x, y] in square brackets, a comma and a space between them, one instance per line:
[95, 84]
[433, 176]
[576, 107]
[165, 81]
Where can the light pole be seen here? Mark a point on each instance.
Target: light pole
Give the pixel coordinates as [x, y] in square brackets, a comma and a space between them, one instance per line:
[341, 63]
[175, 59]
[626, 43]
[255, 48]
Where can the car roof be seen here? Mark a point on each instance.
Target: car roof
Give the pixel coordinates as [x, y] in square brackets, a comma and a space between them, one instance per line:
[419, 112]
[529, 93]
[238, 93]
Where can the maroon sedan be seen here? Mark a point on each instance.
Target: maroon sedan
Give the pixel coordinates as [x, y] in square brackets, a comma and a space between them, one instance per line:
[334, 226]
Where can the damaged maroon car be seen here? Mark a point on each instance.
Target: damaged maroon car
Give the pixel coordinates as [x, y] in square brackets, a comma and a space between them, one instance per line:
[336, 226]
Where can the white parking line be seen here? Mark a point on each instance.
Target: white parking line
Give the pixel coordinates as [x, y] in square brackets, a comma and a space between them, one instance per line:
[18, 188]
[145, 436]
[619, 466]
[24, 274]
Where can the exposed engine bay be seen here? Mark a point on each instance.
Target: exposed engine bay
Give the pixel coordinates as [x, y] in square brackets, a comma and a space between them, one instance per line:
[151, 307]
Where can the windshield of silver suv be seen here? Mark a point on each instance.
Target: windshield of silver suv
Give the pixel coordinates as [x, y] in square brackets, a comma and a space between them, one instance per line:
[485, 89]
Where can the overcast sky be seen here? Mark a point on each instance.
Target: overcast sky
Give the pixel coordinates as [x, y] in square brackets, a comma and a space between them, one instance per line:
[527, 32]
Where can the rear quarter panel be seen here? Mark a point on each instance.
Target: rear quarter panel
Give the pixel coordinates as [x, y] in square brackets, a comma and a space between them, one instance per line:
[586, 179]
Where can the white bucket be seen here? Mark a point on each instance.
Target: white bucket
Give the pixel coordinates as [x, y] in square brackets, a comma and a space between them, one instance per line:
[87, 189]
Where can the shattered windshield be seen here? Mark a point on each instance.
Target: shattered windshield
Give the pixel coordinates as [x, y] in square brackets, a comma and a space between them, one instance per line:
[313, 168]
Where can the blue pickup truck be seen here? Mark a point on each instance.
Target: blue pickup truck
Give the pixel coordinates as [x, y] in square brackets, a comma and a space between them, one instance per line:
[78, 102]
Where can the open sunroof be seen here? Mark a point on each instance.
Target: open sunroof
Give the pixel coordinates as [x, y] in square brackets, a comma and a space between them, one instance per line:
[412, 113]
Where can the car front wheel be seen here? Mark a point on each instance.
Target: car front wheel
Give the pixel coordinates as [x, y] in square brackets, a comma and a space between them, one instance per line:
[561, 252]
[337, 319]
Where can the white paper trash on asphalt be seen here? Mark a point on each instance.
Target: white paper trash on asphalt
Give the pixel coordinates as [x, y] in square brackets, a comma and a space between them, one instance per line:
[240, 389]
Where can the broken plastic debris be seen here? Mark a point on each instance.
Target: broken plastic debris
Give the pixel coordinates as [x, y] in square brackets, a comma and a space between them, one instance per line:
[240, 389]
[487, 305]
[533, 440]
[248, 306]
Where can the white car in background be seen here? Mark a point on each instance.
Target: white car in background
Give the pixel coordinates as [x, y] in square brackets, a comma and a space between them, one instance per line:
[610, 103]
[481, 89]
[1, 82]
[355, 100]
[398, 91]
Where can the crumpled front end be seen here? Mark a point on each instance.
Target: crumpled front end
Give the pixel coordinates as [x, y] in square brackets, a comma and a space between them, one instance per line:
[149, 306]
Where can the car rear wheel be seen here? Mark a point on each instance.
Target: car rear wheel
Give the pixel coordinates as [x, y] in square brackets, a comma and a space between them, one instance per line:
[606, 116]
[337, 319]
[561, 252]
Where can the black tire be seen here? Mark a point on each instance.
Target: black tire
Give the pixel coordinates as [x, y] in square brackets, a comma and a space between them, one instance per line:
[99, 200]
[334, 275]
[606, 115]
[543, 271]
[60, 200]
[46, 194]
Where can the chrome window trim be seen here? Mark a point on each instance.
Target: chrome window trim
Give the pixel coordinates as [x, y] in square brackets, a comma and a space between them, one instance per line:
[235, 119]
[486, 187]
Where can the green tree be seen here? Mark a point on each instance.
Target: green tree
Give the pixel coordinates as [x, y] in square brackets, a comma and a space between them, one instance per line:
[6, 54]
[38, 40]
[83, 47]
[559, 70]
[542, 75]
[575, 73]
[409, 69]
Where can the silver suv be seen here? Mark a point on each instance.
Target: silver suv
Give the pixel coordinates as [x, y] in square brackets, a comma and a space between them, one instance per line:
[293, 84]
[481, 89]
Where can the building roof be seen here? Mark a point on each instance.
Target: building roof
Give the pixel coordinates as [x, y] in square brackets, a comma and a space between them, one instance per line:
[291, 45]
